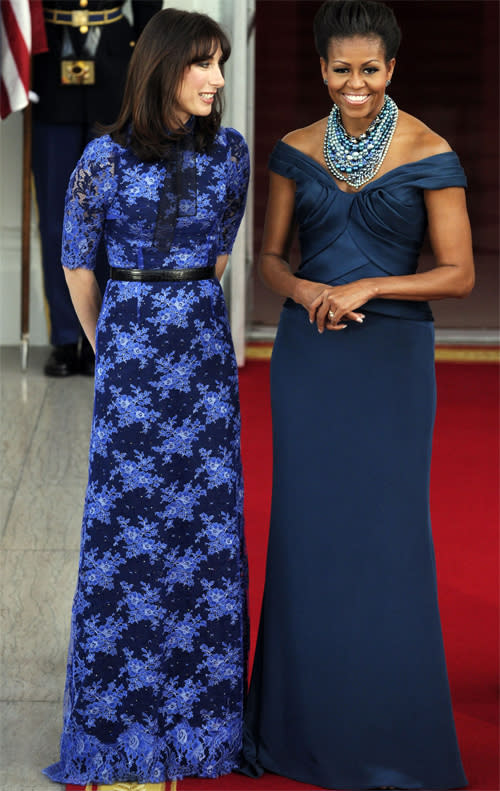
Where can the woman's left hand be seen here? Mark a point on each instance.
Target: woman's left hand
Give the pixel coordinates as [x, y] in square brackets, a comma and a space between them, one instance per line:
[336, 302]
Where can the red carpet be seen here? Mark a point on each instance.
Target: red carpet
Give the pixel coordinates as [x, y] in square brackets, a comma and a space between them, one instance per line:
[465, 524]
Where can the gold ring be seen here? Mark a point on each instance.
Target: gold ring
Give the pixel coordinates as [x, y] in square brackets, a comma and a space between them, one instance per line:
[331, 315]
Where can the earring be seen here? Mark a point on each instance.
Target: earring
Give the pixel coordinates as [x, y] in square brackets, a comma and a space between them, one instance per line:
[387, 83]
[325, 82]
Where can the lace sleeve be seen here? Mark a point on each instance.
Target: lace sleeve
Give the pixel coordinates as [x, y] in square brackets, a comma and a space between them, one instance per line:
[91, 188]
[236, 196]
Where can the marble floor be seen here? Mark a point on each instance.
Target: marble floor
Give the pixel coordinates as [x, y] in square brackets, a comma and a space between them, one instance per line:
[44, 430]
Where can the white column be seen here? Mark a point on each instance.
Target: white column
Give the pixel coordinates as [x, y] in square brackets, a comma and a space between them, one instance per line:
[239, 91]
[210, 7]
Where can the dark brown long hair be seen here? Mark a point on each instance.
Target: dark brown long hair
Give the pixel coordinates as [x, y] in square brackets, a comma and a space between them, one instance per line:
[171, 41]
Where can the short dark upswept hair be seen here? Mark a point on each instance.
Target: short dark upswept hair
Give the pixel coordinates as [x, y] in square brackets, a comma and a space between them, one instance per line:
[339, 19]
[171, 41]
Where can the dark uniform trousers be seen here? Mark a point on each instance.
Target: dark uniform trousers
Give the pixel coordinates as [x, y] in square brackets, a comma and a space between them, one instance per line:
[63, 123]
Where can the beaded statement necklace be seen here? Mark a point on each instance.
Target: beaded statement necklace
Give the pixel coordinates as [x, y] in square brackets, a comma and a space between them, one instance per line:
[356, 160]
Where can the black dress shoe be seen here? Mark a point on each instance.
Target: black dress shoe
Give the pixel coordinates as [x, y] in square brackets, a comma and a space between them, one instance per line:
[87, 359]
[63, 360]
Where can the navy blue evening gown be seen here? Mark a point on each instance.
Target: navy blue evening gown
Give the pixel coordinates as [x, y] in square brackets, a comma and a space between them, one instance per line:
[156, 670]
[349, 687]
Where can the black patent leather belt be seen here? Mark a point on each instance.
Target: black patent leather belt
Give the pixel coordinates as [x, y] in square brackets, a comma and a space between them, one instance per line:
[160, 275]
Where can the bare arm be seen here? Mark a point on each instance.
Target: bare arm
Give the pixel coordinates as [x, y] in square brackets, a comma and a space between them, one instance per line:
[278, 233]
[86, 298]
[450, 236]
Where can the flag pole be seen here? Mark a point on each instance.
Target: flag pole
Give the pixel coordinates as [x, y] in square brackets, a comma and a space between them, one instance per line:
[22, 35]
[26, 237]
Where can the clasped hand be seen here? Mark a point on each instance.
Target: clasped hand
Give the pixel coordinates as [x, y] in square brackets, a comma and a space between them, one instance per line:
[330, 307]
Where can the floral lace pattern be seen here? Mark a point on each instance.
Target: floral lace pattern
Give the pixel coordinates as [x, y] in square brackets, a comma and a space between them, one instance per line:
[156, 671]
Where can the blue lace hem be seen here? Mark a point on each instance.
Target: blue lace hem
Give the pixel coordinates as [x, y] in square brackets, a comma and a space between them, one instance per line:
[138, 757]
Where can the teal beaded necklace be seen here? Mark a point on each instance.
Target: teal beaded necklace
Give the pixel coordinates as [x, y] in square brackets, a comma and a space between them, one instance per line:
[356, 160]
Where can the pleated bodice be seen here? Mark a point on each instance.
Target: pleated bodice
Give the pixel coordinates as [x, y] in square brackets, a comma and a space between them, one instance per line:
[374, 232]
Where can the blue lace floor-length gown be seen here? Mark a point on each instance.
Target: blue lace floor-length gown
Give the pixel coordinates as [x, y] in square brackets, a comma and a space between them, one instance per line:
[349, 687]
[157, 658]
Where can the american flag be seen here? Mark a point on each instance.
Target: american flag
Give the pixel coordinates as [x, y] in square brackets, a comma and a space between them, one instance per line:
[22, 34]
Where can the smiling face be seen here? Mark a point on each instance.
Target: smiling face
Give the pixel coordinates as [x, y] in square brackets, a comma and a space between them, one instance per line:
[357, 72]
[199, 85]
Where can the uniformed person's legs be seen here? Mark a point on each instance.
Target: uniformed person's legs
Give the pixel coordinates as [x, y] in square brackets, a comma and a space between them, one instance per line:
[56, 150]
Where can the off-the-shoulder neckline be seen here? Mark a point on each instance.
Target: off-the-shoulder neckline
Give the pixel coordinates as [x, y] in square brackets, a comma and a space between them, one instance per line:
[330, 178]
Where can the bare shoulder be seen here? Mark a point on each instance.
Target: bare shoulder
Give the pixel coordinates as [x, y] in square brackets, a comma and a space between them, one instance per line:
[309, 139]
[418, 139]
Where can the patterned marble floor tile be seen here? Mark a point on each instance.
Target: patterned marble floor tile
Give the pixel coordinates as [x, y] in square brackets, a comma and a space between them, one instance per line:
[44, 516]
[29, 741]
[48, 417]
[59, 450]
[36, 591]
[10, 362]
[21, 404]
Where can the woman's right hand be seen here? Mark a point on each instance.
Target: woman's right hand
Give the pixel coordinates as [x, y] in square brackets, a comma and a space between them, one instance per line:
[308, 291]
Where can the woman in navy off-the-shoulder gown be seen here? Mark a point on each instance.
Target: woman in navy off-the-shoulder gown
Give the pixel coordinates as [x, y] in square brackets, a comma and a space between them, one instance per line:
[349, 687]
[156, 673]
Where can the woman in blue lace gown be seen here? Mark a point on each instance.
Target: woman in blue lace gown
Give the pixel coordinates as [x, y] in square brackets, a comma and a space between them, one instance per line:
[349, 687]
[156, 669]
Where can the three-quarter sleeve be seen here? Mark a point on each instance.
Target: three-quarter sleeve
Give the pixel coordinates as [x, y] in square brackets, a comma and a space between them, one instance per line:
[91, 189]
[238, 173]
